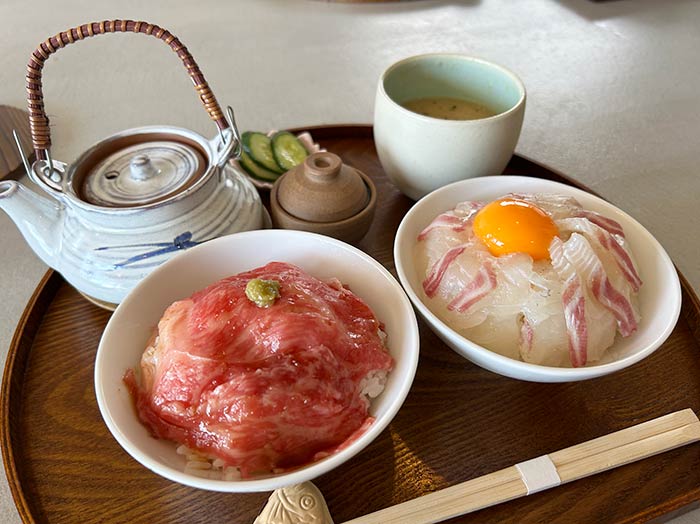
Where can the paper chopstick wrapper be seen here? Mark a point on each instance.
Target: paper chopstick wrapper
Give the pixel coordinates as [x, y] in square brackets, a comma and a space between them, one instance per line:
[538, 474]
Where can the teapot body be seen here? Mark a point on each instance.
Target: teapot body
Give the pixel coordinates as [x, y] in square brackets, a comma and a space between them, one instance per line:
[105, 253]
[105, 228]
[134, 199]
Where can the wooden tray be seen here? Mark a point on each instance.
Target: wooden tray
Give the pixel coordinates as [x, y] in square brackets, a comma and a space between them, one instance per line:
[458, 422]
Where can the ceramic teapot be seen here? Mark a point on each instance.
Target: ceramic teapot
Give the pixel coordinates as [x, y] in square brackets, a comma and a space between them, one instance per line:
[134, 199]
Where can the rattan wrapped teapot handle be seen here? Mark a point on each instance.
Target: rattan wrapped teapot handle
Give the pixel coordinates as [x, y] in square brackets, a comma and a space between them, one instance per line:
[39, 122]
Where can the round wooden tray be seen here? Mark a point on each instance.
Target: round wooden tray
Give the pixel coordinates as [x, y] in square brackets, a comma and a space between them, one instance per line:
[458, 422]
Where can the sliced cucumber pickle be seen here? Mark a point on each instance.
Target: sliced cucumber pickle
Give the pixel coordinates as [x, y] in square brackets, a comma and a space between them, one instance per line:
[259, 148]
[255, 169]
[288, 151]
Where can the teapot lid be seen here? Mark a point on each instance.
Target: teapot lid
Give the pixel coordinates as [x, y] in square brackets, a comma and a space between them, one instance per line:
[139, 169]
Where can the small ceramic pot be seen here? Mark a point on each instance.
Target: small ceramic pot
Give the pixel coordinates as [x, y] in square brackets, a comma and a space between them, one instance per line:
[323, 195]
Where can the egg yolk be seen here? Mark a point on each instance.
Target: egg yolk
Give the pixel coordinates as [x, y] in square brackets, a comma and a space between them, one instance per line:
[514, 226]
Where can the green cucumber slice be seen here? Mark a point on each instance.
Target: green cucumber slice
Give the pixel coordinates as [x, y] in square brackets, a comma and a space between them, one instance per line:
[288, 151]
[259, 147]
[255, 169]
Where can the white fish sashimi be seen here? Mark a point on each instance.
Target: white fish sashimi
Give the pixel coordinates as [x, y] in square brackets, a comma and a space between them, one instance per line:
[600, 321]
[483, 283]
[613, 251]
[457, 220]
[449, 257]
[556, 206]
[498, 306]
[499, 299]
[611, 226]
[580, 253]
[452, 279]
[512, 285]
[496, 334]
[617, 262]
[560, 312]
[543, 337]
[573, 299]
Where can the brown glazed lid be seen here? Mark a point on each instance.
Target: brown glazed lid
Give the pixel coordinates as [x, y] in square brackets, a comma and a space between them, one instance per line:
[323, 189]
[137, 170]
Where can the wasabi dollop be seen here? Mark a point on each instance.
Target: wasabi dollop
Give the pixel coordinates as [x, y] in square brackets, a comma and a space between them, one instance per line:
[262, 293]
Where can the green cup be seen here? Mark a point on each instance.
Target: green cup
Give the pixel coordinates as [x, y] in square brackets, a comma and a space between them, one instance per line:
[422, 153]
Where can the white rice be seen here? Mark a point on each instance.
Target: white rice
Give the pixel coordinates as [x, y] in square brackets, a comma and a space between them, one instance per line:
[204, 466]
[373, 384]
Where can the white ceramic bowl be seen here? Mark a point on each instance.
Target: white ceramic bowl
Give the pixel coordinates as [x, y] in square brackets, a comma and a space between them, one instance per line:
[133, 322]
[659, 296]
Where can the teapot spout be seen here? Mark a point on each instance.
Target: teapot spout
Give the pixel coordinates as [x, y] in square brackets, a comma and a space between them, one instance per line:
[39, 219]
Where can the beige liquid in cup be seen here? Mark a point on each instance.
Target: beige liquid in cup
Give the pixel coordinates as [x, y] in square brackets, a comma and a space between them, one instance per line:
[448, 108]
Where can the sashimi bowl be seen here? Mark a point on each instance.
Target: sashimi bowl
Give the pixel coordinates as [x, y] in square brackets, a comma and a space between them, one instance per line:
[648, 315]
[333, 263]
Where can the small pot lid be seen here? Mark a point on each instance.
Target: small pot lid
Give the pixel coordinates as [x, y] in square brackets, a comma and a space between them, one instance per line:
[138, 170]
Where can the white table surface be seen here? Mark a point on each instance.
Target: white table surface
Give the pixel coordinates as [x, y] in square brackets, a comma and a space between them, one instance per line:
[613, 97]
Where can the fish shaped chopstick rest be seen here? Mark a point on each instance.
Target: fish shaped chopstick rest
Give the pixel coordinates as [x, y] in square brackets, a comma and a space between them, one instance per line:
[298, 504]
[304, 503]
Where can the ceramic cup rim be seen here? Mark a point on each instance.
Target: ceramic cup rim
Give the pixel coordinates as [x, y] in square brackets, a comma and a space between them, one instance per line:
[461, 57]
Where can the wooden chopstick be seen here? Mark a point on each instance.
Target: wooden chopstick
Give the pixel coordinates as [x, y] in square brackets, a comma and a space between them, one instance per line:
[582, 460]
